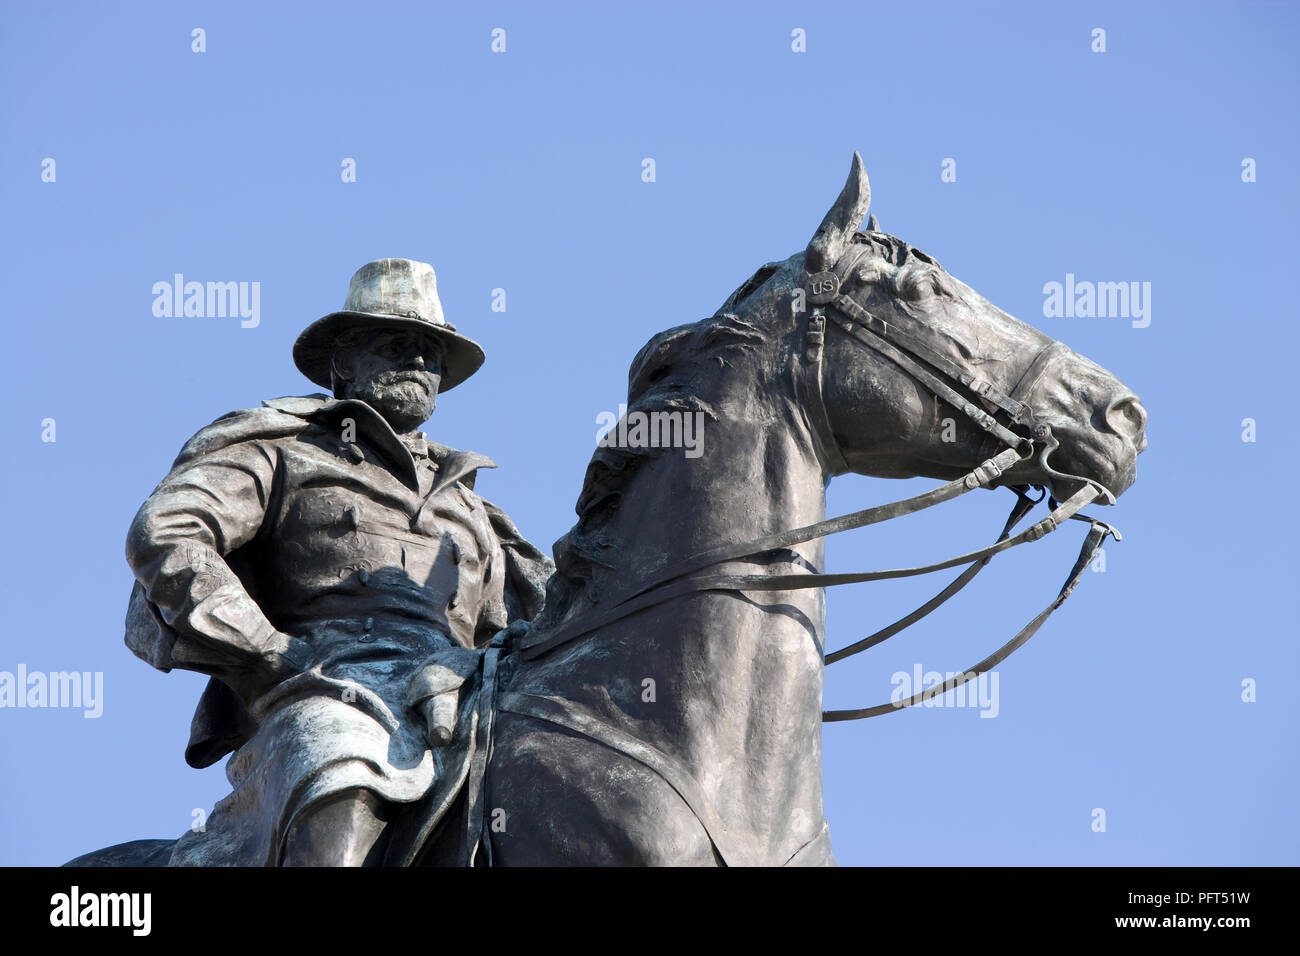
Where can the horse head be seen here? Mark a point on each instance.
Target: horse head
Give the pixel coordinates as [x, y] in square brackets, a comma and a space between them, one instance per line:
[1087, 425]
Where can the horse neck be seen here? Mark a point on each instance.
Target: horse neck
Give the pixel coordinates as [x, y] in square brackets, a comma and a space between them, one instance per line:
[757, 473]
[738, 677]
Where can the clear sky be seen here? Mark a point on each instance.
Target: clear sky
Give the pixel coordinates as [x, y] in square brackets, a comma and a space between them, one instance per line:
[522, 170]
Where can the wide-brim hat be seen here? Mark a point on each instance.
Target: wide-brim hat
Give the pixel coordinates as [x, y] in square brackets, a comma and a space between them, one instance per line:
[389, 294]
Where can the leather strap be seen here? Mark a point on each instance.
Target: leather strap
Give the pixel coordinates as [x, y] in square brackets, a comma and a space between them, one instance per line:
[476, 834]
[679, 585]
[794, 582]
[871, 332]
[536, 644]
[1022, 507]
[1091, 544]
[1029, 378]
[1012, 403]
[808, 387]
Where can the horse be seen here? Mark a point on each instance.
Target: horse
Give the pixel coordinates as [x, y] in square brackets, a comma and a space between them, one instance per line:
[688, 731]
[665, 706]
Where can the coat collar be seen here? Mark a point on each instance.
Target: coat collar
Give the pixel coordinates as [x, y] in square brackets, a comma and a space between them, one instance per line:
[453, 464]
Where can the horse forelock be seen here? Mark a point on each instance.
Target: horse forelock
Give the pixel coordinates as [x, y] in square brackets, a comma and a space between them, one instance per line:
[897, 266]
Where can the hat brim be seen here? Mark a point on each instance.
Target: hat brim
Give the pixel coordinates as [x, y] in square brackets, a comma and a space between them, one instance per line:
[462, 357]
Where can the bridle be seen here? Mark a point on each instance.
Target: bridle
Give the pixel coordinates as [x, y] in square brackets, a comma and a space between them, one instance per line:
[953, 385]
[943, 378]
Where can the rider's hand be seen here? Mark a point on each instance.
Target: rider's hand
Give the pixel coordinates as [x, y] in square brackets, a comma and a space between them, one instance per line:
[288, 656]
[284, 657]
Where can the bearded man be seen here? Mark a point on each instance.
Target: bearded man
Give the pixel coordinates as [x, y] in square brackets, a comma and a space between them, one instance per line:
[312, 556]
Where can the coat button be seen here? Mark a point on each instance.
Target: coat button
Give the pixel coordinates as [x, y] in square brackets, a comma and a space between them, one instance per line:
[368, 635]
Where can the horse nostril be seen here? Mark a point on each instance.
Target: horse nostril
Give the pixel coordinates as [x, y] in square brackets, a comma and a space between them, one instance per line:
[1128, 418]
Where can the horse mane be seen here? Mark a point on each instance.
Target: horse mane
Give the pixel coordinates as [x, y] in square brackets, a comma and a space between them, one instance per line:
[663, 377]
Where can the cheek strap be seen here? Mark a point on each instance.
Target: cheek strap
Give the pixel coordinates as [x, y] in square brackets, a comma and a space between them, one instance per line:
[809, 390]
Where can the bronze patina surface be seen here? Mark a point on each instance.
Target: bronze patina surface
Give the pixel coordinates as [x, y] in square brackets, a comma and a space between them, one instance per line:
[404, 680]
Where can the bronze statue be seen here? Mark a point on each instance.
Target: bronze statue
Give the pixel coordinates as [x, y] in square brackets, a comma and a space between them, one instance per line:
[311, 556]
[664, 706]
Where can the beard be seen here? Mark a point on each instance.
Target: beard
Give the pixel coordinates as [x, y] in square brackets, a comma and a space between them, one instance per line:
[404, 399]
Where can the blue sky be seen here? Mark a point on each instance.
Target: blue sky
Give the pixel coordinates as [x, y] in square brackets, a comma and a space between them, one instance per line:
[522, 170]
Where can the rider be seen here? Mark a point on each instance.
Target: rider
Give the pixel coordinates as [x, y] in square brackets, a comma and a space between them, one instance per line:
[311, 556]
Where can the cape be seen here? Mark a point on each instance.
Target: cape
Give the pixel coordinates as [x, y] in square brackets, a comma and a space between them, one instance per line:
[221, 723]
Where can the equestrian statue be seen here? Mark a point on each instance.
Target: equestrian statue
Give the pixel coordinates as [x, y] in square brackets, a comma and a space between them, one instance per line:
[399, 678]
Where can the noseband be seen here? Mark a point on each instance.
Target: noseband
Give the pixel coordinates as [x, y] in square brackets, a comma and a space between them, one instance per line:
[946, 381]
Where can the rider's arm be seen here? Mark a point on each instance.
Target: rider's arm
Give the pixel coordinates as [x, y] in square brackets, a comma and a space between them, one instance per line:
[176, 547]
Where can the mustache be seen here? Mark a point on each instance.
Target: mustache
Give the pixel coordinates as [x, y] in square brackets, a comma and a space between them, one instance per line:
[399, 377]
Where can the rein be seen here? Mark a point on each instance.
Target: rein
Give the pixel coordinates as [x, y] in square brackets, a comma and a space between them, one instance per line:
[942, 378]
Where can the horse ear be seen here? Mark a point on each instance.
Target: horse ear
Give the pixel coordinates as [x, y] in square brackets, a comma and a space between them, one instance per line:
[836, 231]
[873, 224]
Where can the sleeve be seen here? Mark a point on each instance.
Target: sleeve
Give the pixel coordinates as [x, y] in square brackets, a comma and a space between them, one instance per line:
[527, 569]
[176, 547]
